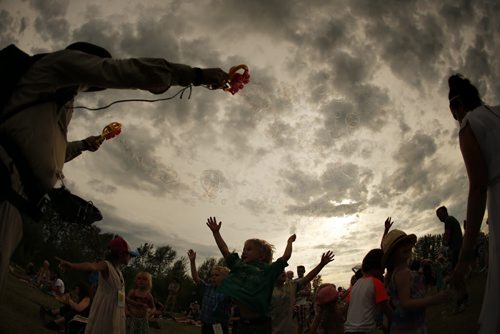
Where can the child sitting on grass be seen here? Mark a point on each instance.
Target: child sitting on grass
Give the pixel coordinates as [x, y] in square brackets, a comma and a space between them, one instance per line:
[251, 280]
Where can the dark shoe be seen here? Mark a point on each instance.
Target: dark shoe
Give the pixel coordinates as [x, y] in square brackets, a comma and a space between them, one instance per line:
[52, 325]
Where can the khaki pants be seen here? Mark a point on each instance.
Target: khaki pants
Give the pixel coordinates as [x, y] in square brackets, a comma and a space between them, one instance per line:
[11, 224]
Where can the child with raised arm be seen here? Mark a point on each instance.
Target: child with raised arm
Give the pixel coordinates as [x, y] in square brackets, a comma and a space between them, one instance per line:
[107, 312]
[215, 306]
[284, 294]
[251, 280]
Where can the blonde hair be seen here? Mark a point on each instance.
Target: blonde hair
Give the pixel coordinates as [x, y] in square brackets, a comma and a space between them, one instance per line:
[266, 249]
[221, 269]
[149, 278]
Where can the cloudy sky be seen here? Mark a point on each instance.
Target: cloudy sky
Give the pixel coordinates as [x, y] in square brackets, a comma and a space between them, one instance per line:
[344, 123]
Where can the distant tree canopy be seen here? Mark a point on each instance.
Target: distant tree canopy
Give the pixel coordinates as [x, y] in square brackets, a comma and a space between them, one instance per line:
[429, 246]
[53, 237]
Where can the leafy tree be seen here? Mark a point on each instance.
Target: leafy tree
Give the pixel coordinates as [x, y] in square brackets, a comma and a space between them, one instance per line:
[206, 267]
[429, 246]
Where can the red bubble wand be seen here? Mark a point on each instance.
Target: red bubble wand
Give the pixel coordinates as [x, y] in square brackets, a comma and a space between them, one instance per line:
[237, 80]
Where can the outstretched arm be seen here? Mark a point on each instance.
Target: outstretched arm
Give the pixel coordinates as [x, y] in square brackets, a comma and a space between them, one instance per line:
[476, 202]
[325, 259]
[192, 263]
[387, 226]
[215, 228]
[403, 284]
[75, 148]
[84, 266]
[288, 250]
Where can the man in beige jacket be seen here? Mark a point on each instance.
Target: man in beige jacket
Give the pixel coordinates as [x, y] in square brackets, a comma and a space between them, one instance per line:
[33, 131]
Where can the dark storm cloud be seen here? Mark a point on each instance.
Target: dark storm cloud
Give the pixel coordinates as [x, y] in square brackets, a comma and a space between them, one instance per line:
[415, 168]
[347, 98]
[103, 186]
[7, 28]
[255, 206]
[101, 32]
[282, 133]
[133, 164]
[339, 190]
[137, 233]
[151, 37]
[50, 21]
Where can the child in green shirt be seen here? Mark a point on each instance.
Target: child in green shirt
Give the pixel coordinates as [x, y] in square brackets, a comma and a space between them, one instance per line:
[251, 280]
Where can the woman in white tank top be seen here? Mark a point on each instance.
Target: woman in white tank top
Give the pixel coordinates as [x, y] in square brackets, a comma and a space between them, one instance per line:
[479, 138]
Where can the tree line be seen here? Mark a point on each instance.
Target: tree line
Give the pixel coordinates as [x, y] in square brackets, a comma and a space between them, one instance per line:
[53, 237]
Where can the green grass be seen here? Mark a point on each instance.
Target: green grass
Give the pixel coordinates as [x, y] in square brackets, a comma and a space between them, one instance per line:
[20, 304]
[440, 319]
[19, 307]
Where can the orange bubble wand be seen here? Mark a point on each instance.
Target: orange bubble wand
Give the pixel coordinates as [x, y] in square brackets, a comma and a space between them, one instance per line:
[111, 130]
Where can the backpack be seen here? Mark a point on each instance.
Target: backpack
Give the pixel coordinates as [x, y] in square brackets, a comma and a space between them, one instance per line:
[14, 63]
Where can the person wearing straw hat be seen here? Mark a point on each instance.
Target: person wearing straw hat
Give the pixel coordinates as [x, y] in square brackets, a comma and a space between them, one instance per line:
[406, 288]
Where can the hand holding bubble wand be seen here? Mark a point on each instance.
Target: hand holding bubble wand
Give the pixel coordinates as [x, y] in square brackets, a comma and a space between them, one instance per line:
[237, 80]
[93, 143]
[111, 130]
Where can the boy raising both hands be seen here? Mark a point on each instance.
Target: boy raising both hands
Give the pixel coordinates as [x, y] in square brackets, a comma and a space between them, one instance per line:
[251, 280]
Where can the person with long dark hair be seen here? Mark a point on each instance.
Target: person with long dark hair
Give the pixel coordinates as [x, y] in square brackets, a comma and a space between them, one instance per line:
[479, 138]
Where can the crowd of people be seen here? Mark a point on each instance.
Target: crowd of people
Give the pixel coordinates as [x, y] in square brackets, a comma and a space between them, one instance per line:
[33, 149]
[254, 294]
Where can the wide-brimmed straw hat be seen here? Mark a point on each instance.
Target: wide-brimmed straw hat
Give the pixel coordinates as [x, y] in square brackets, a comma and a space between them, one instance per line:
[392, 240]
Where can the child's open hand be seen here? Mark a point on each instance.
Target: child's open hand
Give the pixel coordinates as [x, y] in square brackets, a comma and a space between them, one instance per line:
[292, 238]
[327, 258]
[191, 255]
[388, 224]
[213, 225]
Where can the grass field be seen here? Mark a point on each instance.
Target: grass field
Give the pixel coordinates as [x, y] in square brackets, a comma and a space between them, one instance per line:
[20, 304]
[19, 307]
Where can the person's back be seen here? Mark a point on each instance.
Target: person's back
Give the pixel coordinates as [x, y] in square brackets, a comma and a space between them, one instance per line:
[455, 240]
[364, 301]
[485, 123]
[282, 306]
[367, 296]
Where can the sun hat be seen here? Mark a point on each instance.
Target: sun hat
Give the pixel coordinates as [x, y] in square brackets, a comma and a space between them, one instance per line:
[327, 294]
[118, 245]
[392, 240]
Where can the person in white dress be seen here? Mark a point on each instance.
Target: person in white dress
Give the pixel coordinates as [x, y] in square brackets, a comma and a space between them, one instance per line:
[107, 312]
[479, 138]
